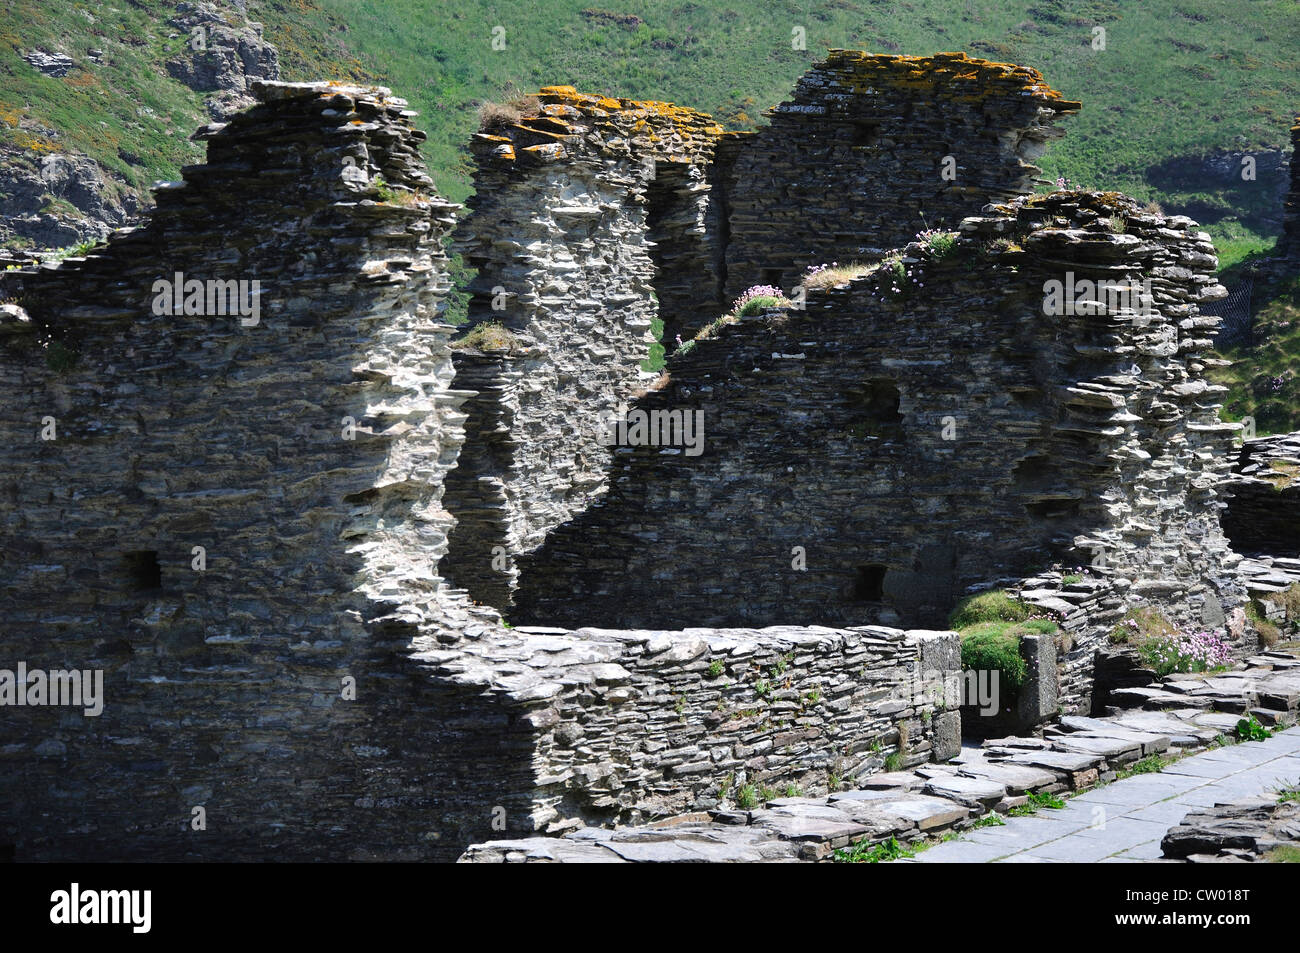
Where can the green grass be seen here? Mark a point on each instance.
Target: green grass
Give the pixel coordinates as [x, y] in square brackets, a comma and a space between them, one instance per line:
[1178, 77]
[864, 852]
[1264, 380]
[1037, 801]
[993, 606]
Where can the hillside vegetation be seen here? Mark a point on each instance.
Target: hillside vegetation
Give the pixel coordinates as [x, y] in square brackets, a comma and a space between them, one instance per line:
[1177, 80]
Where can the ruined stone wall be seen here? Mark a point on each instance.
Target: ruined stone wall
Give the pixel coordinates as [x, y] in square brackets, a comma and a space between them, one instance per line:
[632, 726]
[587, 225]
[224, 680]
[873, 457]
[1263, 514]
[854, 163]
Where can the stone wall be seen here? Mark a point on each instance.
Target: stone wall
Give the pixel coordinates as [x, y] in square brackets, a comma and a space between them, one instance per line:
[225, 669]
[587, 225]
[632, 726]
[1263, 514]
[873, 457]
[854, 163]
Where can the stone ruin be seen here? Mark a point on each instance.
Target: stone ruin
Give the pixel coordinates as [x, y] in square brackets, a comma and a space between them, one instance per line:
[283, 529]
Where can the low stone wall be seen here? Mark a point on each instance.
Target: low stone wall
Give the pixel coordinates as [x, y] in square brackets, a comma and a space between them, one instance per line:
[1263, 514]
[629, 726]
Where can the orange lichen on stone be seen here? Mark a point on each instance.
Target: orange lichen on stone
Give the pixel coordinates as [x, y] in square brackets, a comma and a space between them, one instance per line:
[662, 129]
[950, 75]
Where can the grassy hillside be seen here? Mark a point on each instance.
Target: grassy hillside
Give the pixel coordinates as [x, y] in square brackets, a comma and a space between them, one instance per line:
[1264, 381]
[1177, 79]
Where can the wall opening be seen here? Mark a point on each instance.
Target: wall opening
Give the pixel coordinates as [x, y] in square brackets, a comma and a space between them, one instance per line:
[869, 583]
[875, 409]
[865, 135]
[143, 572]
[771, 276]
[676, 250]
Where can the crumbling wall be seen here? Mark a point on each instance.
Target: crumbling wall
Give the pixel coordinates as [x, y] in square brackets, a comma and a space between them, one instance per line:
[633, 726]
[587, 226]
[598, 217]
[872, 149]
[873, 457]
[1263, 514]
[237, 517]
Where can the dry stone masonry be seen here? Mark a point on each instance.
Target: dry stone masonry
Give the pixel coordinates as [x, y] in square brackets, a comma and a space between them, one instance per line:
[251, 478]
[205, 527]
[834, 433]
[1187, 715]
[576, 211]
[1263, 515]
[872, 149]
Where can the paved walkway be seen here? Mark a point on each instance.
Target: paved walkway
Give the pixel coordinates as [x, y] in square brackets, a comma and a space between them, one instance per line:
[1124, 821]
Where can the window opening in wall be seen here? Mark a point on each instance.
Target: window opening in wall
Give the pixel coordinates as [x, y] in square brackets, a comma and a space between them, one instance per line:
[869, 583]
[143, 571]
[876, 411]
[866, 135]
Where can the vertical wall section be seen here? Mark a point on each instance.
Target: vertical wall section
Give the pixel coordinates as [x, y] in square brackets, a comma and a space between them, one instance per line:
[238, 524]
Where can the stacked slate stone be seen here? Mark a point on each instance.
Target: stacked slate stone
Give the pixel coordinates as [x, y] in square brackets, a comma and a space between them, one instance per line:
[1185, 715]
[857, 161]
[588, 223]
[1263, 515]
[885, 452]
[626, 727]
[234, 518]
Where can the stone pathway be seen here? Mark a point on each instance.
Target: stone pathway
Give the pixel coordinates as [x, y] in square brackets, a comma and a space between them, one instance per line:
[1122, 821]
[1125, 821]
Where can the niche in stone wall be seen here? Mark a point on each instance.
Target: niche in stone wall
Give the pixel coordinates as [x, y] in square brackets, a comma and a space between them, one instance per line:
[143, 572]
[875, 410]
[869, 583]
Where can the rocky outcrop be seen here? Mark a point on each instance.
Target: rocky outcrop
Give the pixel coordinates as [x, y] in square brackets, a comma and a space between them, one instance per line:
[60, 199]
[51, 64]
[51, 200]
[223, 56]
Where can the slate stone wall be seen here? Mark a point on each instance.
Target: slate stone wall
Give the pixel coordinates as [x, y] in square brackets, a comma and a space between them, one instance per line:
[854, 163]
[587, 225]
[873, 457]
[224, 679]
[633, 726]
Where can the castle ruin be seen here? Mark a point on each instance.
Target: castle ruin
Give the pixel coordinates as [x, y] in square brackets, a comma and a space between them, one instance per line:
[275, 528]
